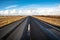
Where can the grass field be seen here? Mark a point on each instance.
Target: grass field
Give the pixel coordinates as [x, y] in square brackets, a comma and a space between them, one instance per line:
[55, 20]
[4, 20]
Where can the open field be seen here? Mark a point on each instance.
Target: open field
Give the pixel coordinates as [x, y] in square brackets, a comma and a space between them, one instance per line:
[55, 20]
[4, 20]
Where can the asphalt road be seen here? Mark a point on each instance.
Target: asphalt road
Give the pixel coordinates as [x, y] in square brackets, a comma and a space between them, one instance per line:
[29, 28]
[43, 31]
[14, 31]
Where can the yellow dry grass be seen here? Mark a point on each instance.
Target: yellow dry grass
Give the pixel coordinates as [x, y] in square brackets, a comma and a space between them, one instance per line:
[4, 20]
[55, 20]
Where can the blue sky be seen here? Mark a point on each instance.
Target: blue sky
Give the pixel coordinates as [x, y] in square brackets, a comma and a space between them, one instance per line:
[20, 3]
[30, 7]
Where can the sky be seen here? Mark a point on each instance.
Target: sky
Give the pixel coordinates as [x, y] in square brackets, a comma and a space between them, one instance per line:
[29, 7]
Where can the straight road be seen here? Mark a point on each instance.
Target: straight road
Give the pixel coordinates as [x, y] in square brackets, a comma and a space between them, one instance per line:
[29, 28]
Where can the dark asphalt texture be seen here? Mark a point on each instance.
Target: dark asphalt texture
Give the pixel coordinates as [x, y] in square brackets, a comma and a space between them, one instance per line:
[39, 30]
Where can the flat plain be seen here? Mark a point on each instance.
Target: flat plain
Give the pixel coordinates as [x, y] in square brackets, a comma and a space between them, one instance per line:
[55, 20]
[4, 20]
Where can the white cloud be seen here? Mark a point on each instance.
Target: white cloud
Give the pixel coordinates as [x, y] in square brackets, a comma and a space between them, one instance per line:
[1, 12]
[11, 6]
[32, 10]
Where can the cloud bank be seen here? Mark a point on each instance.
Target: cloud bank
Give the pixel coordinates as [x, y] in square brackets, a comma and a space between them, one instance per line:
[31, 10]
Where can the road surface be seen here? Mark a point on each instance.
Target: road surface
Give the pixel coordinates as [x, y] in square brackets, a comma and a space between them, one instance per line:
[29, 28]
